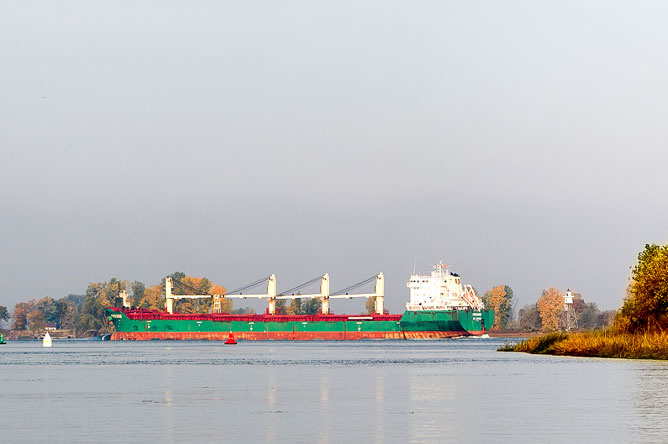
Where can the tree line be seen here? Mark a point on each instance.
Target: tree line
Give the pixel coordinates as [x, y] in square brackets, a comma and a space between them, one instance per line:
[84, 314]
[546, 314]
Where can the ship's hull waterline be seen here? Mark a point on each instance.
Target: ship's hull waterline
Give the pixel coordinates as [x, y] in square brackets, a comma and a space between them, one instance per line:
[154, 325]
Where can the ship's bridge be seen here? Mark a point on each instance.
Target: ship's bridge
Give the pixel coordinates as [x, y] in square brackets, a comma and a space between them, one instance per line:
[442, 290]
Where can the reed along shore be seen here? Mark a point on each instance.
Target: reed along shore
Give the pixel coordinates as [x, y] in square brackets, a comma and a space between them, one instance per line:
[600, 343]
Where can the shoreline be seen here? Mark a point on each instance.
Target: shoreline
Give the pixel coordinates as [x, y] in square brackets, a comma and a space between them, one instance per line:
[513, 334]
[595, 344]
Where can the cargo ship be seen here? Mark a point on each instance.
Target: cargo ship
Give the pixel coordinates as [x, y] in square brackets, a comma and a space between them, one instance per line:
[439, 306]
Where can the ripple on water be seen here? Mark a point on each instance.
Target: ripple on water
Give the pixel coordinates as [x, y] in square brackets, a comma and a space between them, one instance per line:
[432, 391]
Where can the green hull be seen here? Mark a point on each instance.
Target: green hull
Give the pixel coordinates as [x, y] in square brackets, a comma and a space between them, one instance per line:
[144, 325]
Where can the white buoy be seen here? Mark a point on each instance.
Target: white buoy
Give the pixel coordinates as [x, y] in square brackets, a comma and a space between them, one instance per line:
[46, 342]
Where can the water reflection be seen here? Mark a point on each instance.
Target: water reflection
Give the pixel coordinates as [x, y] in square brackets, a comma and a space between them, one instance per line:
[270, 433]
[379, 379]
[431, 399]
[651, 402]
[325, 418]
[169, 399]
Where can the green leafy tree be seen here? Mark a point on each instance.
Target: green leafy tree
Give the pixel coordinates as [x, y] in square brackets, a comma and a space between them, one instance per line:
[499, 299]
[243, 310]
[92, 319]
[280, 305]
[4, 314]
[112, 291]
[138, 290]
[176, 280]
[311, 306]
[508, 304]
[89, 324]
[51, 309]
[646, 304]
[106, 293]
[70, 318]
[487, 300]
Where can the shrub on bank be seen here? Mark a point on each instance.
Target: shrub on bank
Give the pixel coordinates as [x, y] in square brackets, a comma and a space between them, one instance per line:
[603, 343]
[543, 344]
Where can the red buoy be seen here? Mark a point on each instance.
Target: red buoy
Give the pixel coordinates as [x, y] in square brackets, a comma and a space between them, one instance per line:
[230, 340]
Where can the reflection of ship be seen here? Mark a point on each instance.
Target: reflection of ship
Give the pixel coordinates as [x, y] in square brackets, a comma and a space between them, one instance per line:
[439, 307]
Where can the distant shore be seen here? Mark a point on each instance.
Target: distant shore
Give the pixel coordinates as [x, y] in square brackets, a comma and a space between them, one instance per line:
[600, 344]
[26, 335]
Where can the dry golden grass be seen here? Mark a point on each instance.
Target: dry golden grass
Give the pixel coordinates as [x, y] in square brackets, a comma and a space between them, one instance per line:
[604, 343]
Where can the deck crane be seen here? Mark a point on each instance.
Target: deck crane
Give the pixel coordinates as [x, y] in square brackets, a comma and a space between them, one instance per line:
[292, 293]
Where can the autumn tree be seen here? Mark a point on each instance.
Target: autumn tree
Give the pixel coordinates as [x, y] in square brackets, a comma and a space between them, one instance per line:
[646, 304]
[371, 305]
[192, 285]
[21, 311]
[499, 299]
[107, 294]
[153, 298]
[226, 305]
[295, 307]
[550, 307]
[36, 320]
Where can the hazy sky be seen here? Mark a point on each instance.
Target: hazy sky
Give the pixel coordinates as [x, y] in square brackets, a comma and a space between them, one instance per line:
[524, 142]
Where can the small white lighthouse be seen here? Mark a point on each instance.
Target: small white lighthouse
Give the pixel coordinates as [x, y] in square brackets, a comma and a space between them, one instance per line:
[568, 308]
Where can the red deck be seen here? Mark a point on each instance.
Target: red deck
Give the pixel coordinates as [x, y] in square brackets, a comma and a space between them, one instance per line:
[145, 315]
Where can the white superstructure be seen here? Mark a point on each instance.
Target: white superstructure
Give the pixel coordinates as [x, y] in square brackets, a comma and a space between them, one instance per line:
[442, 290]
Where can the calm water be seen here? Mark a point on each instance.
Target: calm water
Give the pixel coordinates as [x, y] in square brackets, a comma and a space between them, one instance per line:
[455, 391]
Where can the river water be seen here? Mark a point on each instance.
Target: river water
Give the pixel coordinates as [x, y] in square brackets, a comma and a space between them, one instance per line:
[451, 391]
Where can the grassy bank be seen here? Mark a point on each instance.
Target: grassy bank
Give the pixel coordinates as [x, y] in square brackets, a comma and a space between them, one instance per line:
[603, 344]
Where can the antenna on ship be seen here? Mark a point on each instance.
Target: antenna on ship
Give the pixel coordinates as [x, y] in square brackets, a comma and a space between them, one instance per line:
[414, 264]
